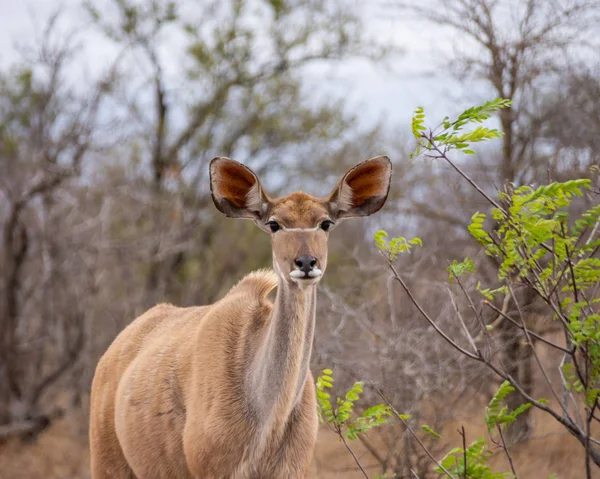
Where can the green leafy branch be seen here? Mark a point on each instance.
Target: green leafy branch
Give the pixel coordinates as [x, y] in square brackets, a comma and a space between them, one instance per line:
[497, 414]
[450, 135]
[471, 462]
[541, 247]
[340, 415]
[396, 246]
[533, 241]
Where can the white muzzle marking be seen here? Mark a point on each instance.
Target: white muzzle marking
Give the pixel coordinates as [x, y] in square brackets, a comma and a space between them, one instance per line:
[315, 273]
[297, 274]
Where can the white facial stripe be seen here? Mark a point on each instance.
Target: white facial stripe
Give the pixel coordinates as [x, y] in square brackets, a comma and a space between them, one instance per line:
[287, 230]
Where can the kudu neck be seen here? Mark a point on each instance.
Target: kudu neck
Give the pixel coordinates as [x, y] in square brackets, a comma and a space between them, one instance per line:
[283, 359]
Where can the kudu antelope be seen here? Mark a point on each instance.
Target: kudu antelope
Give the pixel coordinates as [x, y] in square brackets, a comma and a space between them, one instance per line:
[225, 390]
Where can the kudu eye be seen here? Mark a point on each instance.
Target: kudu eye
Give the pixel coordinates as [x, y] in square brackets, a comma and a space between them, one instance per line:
[325, 225]
[274, 226]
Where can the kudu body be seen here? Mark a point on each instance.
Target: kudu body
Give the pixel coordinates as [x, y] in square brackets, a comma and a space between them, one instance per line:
[225, 390]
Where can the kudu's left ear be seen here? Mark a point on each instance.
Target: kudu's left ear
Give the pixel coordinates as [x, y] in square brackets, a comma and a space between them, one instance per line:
[363, 190]
[236, 191]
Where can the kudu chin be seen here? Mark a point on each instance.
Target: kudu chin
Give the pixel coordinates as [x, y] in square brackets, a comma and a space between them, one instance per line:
[225, 390]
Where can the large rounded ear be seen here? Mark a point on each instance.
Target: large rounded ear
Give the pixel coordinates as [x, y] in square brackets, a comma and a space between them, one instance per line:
[363, 190]
[236, 191]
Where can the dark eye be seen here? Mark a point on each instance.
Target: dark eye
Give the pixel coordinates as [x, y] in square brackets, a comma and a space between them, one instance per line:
[325, 225]
[274, 226]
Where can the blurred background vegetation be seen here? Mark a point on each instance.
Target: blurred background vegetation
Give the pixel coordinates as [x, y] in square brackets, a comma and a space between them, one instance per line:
[110, 111]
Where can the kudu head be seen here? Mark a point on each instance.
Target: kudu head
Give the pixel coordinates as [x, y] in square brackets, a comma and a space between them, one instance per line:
[299, 224]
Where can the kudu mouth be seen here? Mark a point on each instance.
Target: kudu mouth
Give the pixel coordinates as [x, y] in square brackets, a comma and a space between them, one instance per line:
[299, 274]
[306, 270]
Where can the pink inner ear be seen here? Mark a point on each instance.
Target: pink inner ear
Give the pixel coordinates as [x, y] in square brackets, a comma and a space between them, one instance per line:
[234, 182]
[366, 182]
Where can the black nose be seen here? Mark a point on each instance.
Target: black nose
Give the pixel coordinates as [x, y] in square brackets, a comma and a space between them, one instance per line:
[306, 263]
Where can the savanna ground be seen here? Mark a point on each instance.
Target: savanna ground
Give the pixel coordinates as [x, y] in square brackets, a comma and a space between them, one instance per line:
[62, 451]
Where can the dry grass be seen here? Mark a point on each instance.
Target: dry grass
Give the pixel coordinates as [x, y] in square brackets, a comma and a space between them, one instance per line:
[61, 453]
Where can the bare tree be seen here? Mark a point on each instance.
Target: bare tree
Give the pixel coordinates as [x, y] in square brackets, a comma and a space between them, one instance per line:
[47, 129]
[516, 48]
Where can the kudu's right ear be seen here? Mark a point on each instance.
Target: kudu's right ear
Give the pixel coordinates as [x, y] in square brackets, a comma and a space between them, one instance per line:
[236, 191]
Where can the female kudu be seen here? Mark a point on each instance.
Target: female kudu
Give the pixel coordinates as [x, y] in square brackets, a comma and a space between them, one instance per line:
[225, 390]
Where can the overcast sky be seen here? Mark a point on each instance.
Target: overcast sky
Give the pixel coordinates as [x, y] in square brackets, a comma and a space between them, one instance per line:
[387, 93]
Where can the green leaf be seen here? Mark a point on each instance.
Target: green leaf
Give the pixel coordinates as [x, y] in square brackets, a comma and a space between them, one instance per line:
[430, 431]
[457, 269]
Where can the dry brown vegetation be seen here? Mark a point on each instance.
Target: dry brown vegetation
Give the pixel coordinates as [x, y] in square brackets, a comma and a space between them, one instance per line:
[61, 452]
[105, 206]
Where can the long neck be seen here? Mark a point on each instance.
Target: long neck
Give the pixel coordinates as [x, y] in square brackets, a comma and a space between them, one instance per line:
[281, 366]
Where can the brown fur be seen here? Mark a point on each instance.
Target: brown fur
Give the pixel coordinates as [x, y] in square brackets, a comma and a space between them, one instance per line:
[225, 390]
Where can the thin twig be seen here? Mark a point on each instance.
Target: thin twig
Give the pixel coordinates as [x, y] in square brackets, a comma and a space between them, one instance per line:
[535, 355]
[464, 441]
[505, 447]
[426, 316]
[566, 391]
[537, 336]
[462, 322]
[339, 432]
[570, 263]
[593, 233]
[461, 172]
[588, 468]
[472, 306]
[504, 310]
[407, 426]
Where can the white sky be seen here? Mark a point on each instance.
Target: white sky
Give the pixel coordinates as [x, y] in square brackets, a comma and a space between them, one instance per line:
[377, 92]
